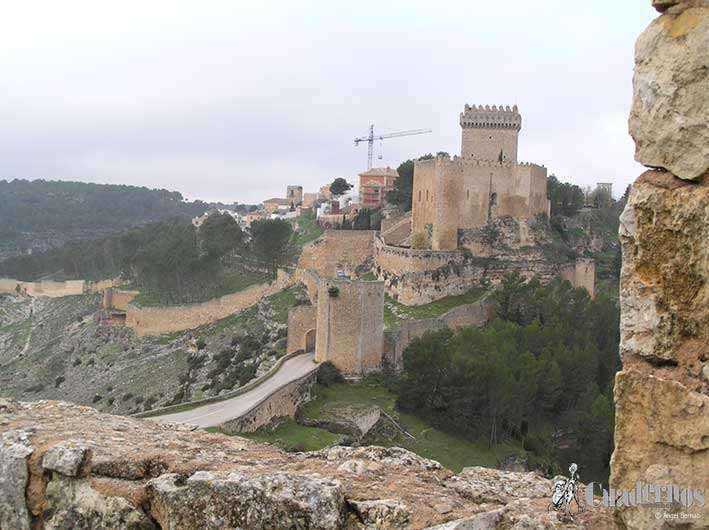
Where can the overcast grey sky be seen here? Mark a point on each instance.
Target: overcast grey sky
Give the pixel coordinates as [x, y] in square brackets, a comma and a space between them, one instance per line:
[232, 100]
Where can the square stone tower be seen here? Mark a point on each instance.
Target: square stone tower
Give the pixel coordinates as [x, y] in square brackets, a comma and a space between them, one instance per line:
[485, 182]
[350, 325]
[490, 133]
[294, 195]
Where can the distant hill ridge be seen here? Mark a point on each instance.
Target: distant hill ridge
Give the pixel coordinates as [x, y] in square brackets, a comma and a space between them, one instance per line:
[41, 214]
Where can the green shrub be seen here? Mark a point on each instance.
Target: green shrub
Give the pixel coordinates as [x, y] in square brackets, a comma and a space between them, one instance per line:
[328, 374]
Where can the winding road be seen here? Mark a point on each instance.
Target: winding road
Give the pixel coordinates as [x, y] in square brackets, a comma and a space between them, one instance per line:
[214, 414]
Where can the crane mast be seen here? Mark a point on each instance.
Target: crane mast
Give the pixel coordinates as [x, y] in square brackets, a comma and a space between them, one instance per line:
[371, 137]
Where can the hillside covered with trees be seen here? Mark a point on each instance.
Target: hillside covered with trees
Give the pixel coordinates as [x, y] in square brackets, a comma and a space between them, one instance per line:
[42, 214]
[541, 374]
[170, 262]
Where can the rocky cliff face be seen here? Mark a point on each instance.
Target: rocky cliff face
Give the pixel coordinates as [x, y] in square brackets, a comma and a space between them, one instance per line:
[662, 393]
[68, 467]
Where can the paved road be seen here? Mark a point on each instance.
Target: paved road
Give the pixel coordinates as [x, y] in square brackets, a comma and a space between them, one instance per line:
[214, 414]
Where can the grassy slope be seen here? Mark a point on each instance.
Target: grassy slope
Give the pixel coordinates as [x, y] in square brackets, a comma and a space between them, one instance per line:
[306, 231]
[294, 437]
[395, 312]
[452, 451]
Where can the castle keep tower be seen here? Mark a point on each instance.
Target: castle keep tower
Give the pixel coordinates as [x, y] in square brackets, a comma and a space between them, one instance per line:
[467, 192]
[490, 133]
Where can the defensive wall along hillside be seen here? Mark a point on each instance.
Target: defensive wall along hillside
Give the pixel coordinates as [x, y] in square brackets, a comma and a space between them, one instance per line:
[397, 339]
[54, 289]
[418, 276]
[169, 319]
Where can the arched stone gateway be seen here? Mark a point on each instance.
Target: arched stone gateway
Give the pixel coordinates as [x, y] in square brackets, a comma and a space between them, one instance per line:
[310, 336]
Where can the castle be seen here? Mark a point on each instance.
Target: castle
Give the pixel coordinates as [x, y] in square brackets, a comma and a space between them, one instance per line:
[485, 182]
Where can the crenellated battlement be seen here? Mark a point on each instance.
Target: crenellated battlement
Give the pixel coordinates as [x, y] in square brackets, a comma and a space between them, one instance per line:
[447, 159]
[486, 117]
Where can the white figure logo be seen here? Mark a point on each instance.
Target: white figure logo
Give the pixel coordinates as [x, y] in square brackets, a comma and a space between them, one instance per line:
[565, 492]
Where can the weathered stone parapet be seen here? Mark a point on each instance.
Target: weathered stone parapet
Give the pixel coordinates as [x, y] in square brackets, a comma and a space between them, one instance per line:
[140, 474]
[283, 403]
[662, 393]
[669, 120]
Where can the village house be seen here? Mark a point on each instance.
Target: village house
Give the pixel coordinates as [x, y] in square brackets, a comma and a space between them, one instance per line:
[374, 184]
[276, 203]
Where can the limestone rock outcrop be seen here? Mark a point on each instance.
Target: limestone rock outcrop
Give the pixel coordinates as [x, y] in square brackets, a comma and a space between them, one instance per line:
[662, 395]
[662, 392]
[65, 467]
[259, 500]
[669, 120]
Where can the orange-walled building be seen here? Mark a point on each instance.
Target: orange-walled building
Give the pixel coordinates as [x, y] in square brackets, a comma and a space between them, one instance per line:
[374, 185]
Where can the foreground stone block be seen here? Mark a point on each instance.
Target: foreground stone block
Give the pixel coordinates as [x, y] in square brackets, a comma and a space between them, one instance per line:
[74, 504]
[14, 475]
[662, 437]
[220, 500]
[64, 458]
[664, 291]
[482, 484]
[670, 112]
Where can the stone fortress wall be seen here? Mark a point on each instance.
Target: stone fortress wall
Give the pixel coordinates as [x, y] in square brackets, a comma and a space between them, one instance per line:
[350, 324]
[118, 299]
[403, 260]
[414, 276]
[581, 273]
[169, 319]
[349, 327]
[54, 289]
[337, 250]
[302, 321]
[397, 339]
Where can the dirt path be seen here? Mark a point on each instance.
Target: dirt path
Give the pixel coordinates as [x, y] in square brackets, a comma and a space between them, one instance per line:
[29, 333]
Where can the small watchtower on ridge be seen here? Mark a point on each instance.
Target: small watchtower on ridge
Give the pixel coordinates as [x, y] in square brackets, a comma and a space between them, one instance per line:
[490, 133]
